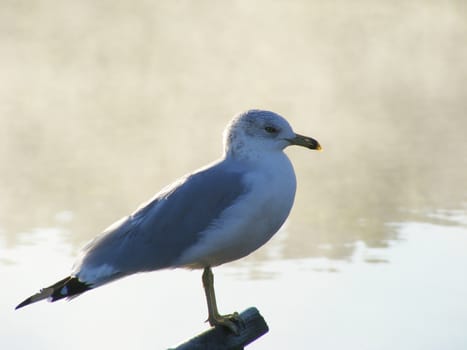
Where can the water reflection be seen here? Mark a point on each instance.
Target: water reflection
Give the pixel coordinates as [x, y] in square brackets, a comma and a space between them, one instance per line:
[363, 303]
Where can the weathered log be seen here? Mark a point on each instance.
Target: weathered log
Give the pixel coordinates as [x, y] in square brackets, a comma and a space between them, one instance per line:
[251, 328]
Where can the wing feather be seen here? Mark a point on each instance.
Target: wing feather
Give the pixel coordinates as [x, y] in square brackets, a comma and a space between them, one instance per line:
[156, 234]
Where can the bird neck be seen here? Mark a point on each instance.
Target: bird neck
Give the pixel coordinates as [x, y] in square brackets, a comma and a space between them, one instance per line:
[255, 158]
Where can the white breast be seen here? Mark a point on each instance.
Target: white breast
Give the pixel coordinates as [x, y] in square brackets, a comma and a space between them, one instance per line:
[252, 220]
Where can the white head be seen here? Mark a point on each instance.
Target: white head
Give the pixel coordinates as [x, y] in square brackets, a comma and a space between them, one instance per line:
[257, 131]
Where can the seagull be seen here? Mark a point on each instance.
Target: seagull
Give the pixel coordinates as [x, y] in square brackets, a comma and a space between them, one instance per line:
[217, 214]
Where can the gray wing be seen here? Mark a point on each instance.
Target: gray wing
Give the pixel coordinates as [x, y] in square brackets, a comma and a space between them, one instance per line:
[155, 235]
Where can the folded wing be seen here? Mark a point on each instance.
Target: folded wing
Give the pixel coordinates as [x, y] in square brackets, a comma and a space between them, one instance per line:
[160, 231]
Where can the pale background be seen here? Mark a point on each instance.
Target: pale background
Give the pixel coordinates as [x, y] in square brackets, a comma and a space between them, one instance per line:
[102, 103]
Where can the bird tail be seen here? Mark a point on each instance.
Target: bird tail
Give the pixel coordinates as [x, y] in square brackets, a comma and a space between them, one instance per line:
[66, 288]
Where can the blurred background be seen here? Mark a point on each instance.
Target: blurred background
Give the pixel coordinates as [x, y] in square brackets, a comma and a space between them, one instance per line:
[104, 103]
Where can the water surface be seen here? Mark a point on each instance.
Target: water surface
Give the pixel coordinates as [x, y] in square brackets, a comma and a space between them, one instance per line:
[104, 104]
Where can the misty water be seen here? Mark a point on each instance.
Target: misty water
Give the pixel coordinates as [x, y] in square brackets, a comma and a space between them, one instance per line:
[103, 104]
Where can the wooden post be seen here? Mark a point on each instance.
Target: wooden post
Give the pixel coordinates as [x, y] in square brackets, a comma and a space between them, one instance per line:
[220, 338]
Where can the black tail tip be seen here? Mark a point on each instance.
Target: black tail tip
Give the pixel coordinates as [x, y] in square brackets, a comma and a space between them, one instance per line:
[66, 288]
[23, 303]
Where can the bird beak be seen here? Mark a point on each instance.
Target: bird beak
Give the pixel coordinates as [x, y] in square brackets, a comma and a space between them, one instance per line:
[305, 141]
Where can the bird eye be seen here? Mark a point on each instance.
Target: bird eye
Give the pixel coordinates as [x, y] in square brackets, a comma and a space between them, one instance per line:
[270, 129]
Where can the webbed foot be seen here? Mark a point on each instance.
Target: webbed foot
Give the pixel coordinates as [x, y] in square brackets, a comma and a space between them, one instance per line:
[231, 321]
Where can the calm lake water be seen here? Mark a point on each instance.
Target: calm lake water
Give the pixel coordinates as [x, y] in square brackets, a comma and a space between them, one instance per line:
[104, 104]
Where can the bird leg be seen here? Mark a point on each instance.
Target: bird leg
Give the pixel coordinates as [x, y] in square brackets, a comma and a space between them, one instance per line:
[230, 321]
